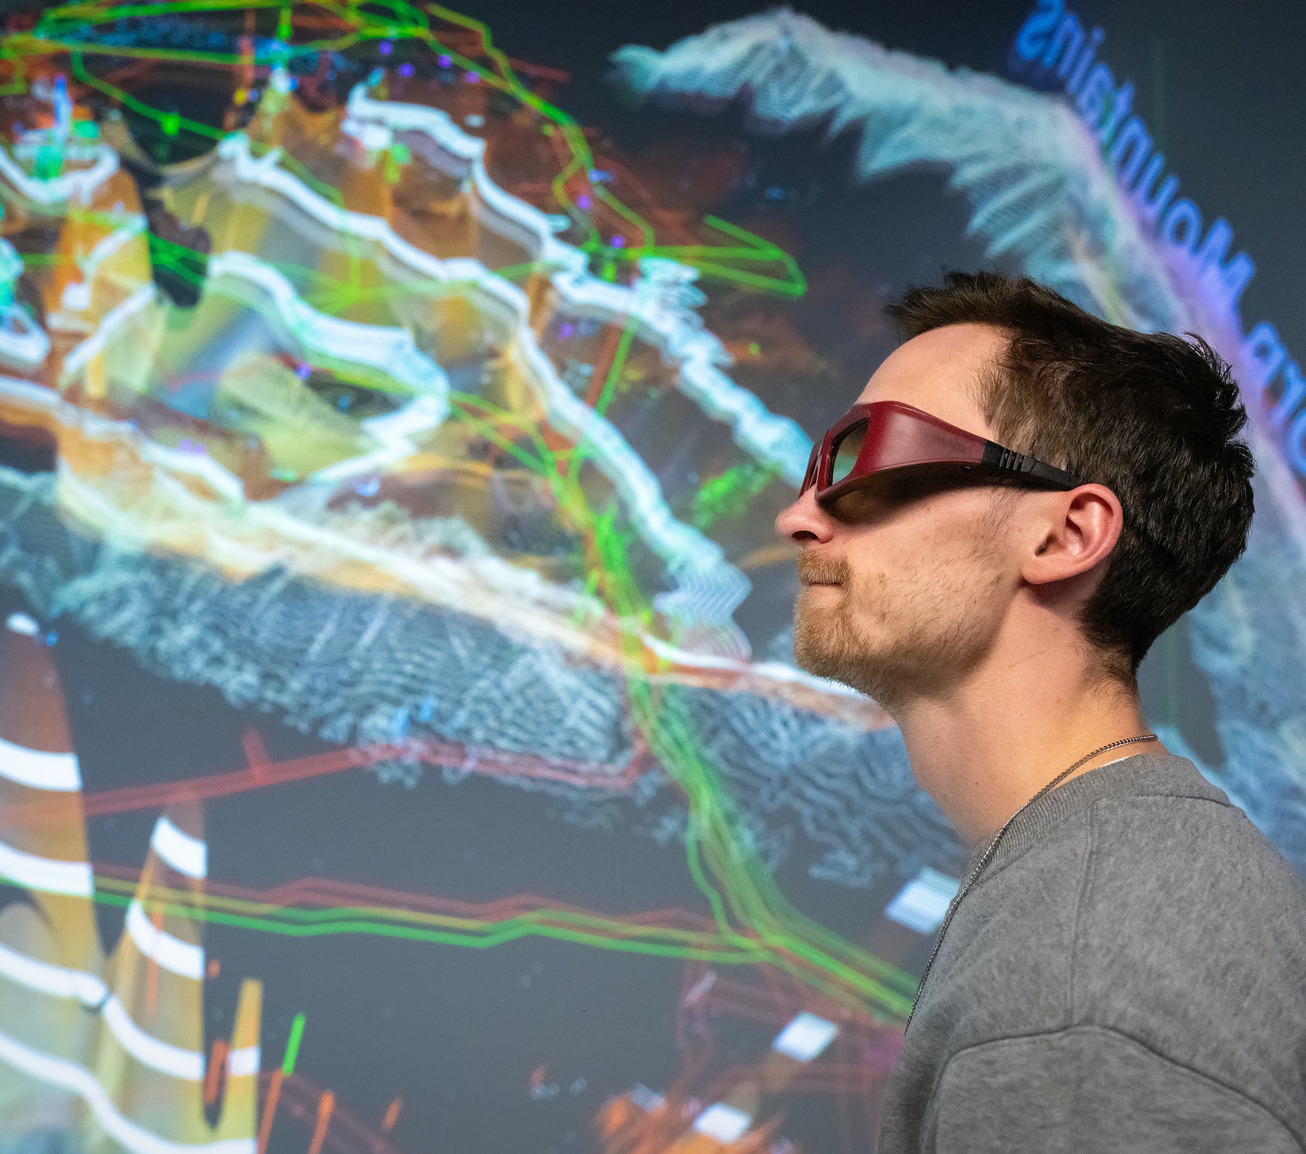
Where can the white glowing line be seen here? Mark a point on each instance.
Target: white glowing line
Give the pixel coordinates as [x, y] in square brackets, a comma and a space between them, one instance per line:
[69, 1075]
[60, 982]
[665, 313]
[148, 1050]
[771, 670]
[117, 316]
[222, 480]
[22, 340]
[67, 414]
[394, 431]
[186, 854]
[52, 402]
[706, 579]
[45, 874]
[388, 349]
[171, 953]
[48, 978]
[243, 1063]
[56, 190]
[77, 295]
[133, 226]
[39, 769]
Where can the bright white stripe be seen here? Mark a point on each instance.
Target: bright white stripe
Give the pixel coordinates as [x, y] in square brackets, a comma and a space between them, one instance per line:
[243, 1063]
[45, 874]
[148, 1050]
[69, 1075]
[39, 769]
[77, 184]
[664, 298]
[222, 480]
[61, 982]
[708, 586]
[186, 854]
[51, 979]
[114, 319]
[22, 623]
[171, 953]
[22, 340]
[133, 225]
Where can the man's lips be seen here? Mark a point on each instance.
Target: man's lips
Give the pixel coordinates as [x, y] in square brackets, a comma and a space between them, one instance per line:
[818, 571]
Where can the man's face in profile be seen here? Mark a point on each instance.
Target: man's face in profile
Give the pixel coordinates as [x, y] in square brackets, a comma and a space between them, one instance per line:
[904, 585]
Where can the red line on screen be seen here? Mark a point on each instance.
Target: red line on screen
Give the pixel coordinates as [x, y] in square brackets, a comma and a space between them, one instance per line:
[261, 773]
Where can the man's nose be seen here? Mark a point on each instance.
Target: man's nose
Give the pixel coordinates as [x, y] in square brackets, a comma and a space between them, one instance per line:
[805, 520]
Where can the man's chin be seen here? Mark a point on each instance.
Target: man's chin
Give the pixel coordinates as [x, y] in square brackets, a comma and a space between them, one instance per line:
[854, 673]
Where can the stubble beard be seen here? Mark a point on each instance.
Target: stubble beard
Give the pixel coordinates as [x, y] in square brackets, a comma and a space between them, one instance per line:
[896, 640]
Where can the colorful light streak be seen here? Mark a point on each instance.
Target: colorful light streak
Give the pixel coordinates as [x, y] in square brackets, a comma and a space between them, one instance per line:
[63, 29]
[292, 1045]
[751, 922]
[673, 934]
[262, 773]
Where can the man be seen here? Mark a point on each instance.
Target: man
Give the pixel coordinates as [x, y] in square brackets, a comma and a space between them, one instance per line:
[1028, 497]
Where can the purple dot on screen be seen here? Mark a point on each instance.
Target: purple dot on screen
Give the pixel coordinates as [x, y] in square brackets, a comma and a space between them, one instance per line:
[405, 69]
[303, 372]
[473, 78]
[444, 61]
[618, 242]
[582, 202]
[564, 331]
[386, 47]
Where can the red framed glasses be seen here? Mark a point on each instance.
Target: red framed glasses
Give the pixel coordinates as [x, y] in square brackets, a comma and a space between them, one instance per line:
[886, 436]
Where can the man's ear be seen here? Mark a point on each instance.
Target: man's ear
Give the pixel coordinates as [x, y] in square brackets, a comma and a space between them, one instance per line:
[1079, 531]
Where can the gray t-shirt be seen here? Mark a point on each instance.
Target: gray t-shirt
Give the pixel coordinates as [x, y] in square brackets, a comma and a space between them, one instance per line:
[1128, 974]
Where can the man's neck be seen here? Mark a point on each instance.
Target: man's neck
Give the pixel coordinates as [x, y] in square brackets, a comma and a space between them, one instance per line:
[988, 746]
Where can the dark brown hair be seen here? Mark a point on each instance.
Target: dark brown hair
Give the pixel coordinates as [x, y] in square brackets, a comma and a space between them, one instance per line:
[1153, 417]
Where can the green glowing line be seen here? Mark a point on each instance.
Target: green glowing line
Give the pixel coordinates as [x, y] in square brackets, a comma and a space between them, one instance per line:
[292, 1045]
[79, 70]
[567, 926]
[754, 922]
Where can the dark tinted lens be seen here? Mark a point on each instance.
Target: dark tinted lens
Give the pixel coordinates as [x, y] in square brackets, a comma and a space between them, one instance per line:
[846, 452]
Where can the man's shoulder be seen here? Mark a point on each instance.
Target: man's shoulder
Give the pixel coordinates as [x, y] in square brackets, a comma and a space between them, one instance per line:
[1157, 914]
[1176, 875]
[1190, 937]
[1170, 868]
[1164, 915]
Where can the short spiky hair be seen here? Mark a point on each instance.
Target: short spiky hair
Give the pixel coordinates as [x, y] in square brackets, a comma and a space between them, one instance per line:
[1155, 418]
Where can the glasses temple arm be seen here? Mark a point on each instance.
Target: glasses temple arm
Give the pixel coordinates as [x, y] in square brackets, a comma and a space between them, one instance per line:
[1008, 461]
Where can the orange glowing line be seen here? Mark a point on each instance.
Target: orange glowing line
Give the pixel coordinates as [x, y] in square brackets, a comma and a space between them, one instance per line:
[261, 773]
[213, 1075]
[269, 1110]
[325, 1105]
[329, 893]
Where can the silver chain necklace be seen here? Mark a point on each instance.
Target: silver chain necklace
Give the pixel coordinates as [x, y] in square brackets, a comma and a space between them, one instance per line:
[993, 845]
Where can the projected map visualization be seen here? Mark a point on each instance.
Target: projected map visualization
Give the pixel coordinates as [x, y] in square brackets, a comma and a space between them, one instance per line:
[400, 742]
